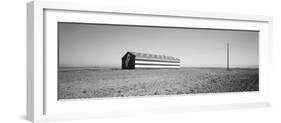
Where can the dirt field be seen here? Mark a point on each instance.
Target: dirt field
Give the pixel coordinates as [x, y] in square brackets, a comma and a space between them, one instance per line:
[91, 83]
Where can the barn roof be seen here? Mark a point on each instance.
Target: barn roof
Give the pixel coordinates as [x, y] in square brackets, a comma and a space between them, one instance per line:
[154, 56]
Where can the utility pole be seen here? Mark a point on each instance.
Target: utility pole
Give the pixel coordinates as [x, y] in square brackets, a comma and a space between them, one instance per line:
[227, 50]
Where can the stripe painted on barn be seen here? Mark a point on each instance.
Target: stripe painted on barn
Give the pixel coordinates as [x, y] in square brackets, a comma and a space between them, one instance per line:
[156, 64]
[152, 66]
[153, 62]
[134, 60]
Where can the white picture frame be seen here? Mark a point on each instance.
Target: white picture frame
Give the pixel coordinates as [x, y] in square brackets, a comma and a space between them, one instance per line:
[42, 103]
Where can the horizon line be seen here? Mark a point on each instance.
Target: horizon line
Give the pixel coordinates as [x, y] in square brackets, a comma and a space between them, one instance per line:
[182, 66]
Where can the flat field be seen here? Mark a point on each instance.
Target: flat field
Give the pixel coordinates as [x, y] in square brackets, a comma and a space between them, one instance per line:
[98, 82]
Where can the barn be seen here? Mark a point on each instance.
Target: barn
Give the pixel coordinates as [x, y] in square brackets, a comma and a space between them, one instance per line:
[136, 60]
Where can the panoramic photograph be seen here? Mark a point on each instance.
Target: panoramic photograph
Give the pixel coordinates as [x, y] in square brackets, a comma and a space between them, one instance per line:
[110, 60]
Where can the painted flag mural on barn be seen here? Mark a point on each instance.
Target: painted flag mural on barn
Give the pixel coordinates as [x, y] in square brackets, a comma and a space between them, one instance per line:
[135, 60]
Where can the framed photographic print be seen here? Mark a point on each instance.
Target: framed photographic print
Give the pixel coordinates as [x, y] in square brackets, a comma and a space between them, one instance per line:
[93, 61]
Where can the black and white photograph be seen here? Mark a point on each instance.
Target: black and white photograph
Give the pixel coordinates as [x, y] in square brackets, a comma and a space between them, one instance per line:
[113, 60]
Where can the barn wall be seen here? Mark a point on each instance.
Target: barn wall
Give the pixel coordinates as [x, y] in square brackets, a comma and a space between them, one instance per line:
[155, 64]
[131, 62]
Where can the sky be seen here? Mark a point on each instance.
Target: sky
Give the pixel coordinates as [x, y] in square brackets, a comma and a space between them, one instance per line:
[104, 45]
